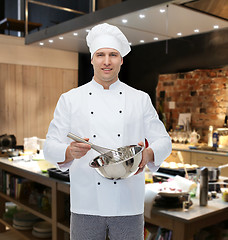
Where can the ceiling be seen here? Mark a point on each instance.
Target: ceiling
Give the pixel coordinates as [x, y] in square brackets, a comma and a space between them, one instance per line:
[151, 24]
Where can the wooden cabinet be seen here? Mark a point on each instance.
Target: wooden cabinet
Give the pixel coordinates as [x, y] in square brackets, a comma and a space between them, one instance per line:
[210, 160]
[56, 215]
[174, 157]
[201, 158]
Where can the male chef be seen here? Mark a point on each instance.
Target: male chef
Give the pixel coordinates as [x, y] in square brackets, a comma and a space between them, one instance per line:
[111, 114]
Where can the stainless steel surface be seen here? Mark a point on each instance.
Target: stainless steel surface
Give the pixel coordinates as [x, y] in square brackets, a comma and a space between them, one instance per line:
[204, 186]
[124, 168]
[99, 149]
[213, 172]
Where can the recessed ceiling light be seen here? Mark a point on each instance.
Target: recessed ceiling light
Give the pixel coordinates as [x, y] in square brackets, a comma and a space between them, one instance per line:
[179, 34]
[41, 43]
[75, 34]
[141, 41]
[50, 41]
[162, 10]
[196, 30]
[61, 38]
[142, 15]
[87, 30]
[216, 26]
[124, 20]
[155, 38]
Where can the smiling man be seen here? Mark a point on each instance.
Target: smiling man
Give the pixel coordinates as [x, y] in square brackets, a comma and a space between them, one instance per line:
[111, 114]
[106, 64]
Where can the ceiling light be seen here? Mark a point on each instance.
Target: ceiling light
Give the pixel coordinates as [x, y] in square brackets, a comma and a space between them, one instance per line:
[196, 30]
[124, 20]
[50, 41]
[179, 34]
[41, 43]
[130, 43]
[155, 38]
[75, 34]
[141, 41]
[87, 30]
[142, 15]
[162, 10]
[61, 38]
[216, 26]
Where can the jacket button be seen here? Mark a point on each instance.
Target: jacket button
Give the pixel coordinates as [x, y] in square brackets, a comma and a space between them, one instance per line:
[120, 111]
[91, 112]
[98, 183]
[120, 93]
[118, 135]
[90, 93]
[94, 136]
[114, 182]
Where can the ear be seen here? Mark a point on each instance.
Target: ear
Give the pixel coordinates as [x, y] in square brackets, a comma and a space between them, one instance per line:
[121, 60]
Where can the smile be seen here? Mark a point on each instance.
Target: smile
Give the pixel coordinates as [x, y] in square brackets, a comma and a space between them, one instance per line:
[106, 69]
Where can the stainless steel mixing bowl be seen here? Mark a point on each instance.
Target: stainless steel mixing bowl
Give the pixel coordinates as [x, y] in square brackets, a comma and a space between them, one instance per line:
[119, 164]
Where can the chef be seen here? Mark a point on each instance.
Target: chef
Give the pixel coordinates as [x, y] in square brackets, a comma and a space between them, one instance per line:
[111, 114]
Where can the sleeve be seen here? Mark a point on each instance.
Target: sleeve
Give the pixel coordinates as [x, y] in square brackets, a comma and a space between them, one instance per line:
[56, 141]
[158, 138]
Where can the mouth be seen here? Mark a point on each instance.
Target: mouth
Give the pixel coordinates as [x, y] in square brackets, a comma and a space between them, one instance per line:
[106, 69]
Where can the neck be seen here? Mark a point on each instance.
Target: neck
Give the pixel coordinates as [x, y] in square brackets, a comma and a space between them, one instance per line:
[105, 84]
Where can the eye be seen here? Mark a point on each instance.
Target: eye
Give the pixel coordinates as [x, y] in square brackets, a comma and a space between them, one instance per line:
[114, 54]
[99, 54]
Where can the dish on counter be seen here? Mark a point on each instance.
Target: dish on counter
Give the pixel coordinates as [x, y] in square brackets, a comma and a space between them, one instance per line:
[171, 192]
[174, 165]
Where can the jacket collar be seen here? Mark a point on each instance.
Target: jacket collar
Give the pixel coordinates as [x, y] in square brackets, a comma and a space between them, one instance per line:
[115, 86]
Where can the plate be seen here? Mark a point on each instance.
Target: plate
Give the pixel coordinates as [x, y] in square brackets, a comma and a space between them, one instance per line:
[172, 194]
[42, 227]
[41, 234]
[22, 227]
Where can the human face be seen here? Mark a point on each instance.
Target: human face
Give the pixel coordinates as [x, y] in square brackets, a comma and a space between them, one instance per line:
[106, 64]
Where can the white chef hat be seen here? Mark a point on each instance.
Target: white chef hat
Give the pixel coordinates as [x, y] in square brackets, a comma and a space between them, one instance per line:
[107, 36]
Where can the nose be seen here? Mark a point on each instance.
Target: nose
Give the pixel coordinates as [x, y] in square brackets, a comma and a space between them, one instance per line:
[107, 60]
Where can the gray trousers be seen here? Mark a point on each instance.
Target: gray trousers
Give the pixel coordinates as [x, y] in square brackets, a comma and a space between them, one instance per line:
[89, 227]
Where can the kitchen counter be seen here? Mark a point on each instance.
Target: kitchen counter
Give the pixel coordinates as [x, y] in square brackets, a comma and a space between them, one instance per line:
[186, 224]
[190, 148]
[183, 224]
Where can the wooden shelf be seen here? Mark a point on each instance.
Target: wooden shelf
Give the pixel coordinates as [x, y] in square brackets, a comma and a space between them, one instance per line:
[17, 25]
[26, 234]
[64, 226]
[59, 193]
[33, 209]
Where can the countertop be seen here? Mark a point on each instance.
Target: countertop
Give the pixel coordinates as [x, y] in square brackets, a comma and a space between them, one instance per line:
[195, 211]
[191, 148]
[185, 225]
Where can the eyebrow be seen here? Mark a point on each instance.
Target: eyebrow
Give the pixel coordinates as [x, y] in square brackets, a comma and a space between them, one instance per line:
[107, 53]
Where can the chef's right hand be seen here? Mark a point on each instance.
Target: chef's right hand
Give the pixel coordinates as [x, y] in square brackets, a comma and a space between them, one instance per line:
[76, 150]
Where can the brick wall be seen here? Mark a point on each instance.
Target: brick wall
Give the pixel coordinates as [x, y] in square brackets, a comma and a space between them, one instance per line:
[203, 93]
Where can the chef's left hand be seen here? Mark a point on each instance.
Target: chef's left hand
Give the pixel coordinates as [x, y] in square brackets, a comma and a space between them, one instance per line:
[147, 156]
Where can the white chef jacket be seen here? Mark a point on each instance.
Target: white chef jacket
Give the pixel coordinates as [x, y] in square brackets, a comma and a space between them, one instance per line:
[110, 118]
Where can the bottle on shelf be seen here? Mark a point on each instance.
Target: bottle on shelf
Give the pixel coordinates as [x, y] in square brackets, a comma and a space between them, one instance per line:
[225, 125]
[210, 136]
[215, 139]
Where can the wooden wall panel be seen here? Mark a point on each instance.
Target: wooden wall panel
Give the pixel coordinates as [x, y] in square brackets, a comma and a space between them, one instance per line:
[28, 96]
[20, 118]
[3, 112]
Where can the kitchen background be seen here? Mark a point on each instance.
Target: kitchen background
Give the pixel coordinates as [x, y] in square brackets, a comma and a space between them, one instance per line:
[201, 92]
[191, 70]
